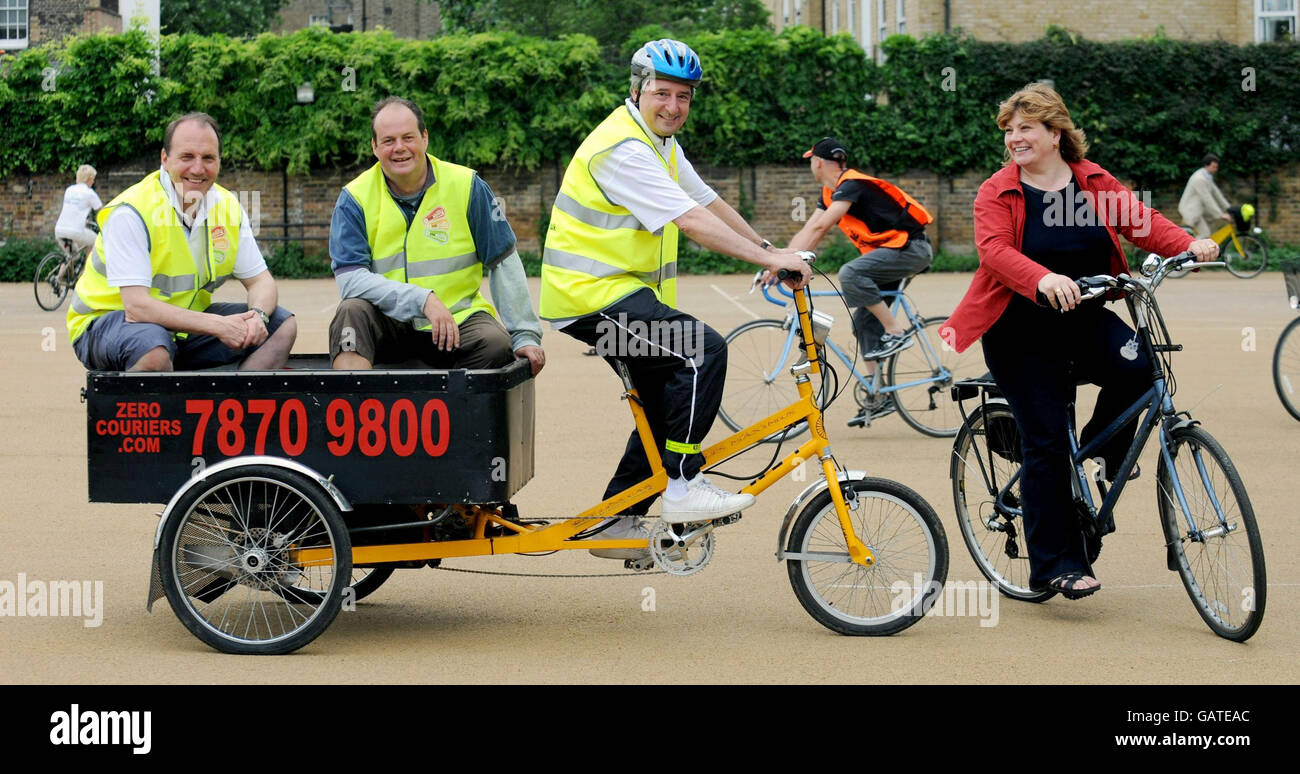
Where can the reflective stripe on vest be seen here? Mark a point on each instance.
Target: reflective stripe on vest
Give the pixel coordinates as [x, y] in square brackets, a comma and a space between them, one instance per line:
[859, 233]
[597, 252]
[436, 251]
[180, 278]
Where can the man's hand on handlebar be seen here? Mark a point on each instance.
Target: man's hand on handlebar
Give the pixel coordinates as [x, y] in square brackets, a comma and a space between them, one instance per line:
[1061, 292]
[794, 263]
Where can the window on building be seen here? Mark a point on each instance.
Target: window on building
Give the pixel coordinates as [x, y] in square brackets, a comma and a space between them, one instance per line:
[13, 24]
[1276, 20]
[883, 29]
[318, 20]
[866, 28]
[848, 25]
[835, 17]
[798, 11]
[785, 13]
[902, 20]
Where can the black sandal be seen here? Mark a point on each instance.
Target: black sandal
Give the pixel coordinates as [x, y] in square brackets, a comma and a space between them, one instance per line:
[1063, 584]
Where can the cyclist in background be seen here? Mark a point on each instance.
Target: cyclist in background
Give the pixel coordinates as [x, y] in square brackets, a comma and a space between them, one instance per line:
[79, 202]
[1202, 200]
[888, 227]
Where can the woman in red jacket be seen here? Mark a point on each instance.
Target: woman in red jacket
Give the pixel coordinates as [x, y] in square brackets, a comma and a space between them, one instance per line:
[1046, 217]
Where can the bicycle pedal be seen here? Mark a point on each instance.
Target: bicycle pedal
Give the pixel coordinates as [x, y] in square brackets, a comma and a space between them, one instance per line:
[725, 520]
[640, 565]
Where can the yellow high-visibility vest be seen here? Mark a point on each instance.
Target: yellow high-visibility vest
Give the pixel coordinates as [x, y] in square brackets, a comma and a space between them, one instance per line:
[437, 250]
[597, 252]
[180, 278]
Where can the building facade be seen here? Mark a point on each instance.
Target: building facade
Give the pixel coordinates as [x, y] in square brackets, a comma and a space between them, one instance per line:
[405, 18]
[871, 21]
[27, 23]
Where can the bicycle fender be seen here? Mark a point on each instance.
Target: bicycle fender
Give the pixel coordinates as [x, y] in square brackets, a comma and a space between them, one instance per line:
[813, 489]
[155, 574]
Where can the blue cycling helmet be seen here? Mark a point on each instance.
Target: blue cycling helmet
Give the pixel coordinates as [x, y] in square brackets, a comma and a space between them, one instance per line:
[666, 58]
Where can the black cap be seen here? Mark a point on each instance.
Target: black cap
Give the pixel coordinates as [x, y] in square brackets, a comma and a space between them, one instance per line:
[827, 148]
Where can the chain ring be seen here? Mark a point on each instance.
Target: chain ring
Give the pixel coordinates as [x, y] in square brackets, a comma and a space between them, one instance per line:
[677, 559]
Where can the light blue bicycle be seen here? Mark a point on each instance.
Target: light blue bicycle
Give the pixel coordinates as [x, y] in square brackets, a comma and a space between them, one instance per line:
[914, 381]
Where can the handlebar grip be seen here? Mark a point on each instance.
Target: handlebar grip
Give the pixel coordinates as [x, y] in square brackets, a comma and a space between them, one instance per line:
[783, 274]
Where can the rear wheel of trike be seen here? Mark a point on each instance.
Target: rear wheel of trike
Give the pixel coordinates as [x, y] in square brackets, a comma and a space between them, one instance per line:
[255, 560]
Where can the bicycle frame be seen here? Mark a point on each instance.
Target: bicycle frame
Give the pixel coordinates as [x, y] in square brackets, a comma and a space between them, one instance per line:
[525, 538]
[874, 383]
[1159, 409]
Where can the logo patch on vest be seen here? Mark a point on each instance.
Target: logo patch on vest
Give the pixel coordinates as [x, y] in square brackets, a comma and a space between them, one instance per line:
[436, 226]
[220, 243]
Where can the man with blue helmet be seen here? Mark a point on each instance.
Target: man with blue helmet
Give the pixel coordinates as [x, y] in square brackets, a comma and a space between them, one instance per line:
[609, 278]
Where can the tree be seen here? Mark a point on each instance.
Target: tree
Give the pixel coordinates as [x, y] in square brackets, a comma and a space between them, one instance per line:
[237, 18]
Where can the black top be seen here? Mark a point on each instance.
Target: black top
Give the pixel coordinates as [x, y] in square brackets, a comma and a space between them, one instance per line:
[873, 206]
[1063, 233]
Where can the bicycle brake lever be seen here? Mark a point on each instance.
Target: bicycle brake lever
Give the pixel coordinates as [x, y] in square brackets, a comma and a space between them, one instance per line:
[758, 279]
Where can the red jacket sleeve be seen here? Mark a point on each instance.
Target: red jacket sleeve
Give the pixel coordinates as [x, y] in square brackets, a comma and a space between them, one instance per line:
[996, 240]
[1142, 225]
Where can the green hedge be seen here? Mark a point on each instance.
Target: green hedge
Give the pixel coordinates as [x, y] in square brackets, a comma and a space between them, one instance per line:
[1150, 107]
[20, 257]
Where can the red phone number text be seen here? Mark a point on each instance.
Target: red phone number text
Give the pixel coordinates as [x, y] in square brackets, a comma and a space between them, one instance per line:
[371, 427]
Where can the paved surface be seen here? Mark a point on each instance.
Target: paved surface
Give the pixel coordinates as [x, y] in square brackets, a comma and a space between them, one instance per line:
[738, 621]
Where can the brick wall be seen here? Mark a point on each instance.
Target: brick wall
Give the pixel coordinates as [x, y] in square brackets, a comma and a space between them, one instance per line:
[1230, 20]
[780, 199]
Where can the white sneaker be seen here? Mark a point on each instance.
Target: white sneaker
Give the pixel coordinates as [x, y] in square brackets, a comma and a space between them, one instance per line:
[626, 528]
[703, 501]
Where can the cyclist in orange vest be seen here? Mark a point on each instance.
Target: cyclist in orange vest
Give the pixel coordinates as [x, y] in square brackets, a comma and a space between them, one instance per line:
[888, 227]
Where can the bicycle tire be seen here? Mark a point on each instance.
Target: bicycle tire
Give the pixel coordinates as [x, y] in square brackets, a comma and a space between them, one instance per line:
[1250, 262]
[909, 544]
[929, 407]
[996, 541]
[246, 524]
[757, 385]
[1232, 606]
[1286, 368]
[50, 290]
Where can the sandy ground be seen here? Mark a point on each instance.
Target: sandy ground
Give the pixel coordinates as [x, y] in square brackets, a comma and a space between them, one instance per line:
[736, 622]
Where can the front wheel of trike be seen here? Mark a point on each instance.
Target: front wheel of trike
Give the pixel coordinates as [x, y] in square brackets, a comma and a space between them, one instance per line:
[908, 572]
[238, 546]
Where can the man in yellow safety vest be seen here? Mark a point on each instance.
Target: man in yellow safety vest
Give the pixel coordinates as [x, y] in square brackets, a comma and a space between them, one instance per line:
[609, 271]
[144, 301]
[409, 241]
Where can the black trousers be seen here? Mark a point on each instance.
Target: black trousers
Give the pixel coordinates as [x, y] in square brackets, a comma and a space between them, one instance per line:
[1037, 359]
[678, 365]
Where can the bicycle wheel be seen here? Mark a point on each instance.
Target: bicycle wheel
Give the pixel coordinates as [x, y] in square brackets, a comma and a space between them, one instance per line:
[231, 567]
[930, 366]
[758, 380]
[1286, 368]
[1250, 261]
[995, 537]
[911, 564]
[1221, 561]
[50, 290]
[364, 582]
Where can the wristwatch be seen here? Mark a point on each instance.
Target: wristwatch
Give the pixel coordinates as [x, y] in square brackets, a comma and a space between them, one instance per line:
[266, 318]
[763, 245]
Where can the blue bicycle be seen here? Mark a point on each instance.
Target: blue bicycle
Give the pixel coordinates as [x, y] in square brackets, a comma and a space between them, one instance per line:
[1206, 518]
[914, 381]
